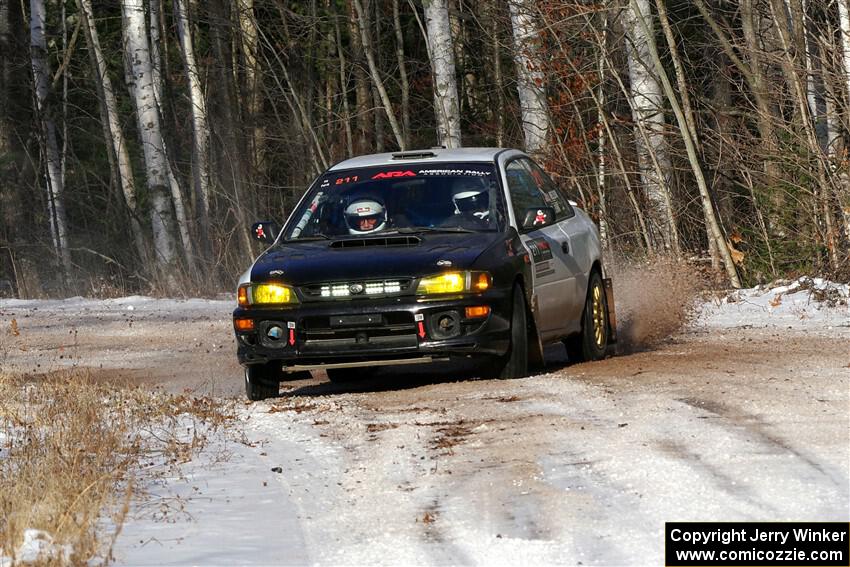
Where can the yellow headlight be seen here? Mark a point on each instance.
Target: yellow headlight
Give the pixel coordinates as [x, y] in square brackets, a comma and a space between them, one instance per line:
[272, 294]
[451, 282]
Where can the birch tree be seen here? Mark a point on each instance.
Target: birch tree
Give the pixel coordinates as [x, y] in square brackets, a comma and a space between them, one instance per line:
[113, 127]
[441, 53]
[647, 103]
[53, 159]
[844, 26]
[137, 51]
[530, 79]
[200, 131]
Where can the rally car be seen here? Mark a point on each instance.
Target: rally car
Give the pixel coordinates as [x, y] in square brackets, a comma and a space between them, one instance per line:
[423, 256]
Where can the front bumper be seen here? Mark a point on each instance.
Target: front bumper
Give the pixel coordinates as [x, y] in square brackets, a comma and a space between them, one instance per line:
[342, 332]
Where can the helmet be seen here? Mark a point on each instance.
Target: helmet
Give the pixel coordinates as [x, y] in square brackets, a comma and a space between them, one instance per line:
[471, 197]
[364, 216]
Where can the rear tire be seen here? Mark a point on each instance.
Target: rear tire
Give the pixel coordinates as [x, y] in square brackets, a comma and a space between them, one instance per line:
[515, 363]
[261, 382]
[345, 375]
[592, 342]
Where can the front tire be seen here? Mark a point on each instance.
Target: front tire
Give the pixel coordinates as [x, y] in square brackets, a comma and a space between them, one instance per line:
[515, 363]
[261, 382]
[592, 342]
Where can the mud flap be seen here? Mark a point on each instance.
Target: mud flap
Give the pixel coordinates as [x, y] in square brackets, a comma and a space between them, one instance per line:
[535, 345]
[612, 316]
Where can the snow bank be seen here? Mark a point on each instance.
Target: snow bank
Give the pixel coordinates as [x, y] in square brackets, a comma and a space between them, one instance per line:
[810, 304]
[38, 546]
[130, 303]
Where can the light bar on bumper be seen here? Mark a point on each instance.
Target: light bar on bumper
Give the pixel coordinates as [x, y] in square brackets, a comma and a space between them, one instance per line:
[266, 294]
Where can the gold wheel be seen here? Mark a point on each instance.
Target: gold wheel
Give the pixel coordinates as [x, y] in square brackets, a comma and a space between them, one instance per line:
[598, 306]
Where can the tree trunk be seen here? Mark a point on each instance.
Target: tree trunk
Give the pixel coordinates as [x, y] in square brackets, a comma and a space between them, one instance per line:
[362, 92]
[402, 72]
[531, 83]
[55, 182]
[252, 99]
[343, 87]
[844, 21]
[441, 53]
[200, 130]
[14, 228]
[376, 76]
[498, 82]
[688, 132]
[755, 79]
[154, 23]
[155, 7]
[647, 104]
[231, 162]
[113, 128]
[601, 146]
[156, 166]
[824, 188]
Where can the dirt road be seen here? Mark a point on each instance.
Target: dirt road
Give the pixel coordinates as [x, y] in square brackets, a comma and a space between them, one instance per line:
[584, 463]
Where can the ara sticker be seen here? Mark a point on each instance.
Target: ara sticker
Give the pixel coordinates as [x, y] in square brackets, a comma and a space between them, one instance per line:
[393, 174]
[454, 172]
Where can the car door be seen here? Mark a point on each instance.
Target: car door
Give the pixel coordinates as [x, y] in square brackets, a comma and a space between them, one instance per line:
[574, 249]
[552, 283]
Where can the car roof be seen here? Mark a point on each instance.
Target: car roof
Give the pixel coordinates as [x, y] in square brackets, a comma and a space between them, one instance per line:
[431, 155]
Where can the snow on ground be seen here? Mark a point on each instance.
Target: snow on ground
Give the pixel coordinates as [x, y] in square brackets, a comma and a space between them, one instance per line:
[131, 303]
[746, 419]
[222, 508]
[804, 304]
[38, 546]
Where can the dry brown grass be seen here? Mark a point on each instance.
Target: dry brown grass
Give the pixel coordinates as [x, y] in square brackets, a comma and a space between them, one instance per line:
[654, 299]
[70, 450]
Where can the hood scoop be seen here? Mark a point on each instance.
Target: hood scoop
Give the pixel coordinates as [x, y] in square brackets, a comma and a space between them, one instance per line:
[385, 242]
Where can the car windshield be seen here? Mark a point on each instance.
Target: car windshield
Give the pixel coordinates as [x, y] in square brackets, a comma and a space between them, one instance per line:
[450, 197]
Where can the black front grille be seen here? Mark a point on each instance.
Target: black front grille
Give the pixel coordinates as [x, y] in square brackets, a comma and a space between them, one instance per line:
[359, 289]
[327, 334]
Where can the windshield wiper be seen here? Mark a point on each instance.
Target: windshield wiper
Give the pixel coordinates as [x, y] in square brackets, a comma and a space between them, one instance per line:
[316, 236]
[458, 229]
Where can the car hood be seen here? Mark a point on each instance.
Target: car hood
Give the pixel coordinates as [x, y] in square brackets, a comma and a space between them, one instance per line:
[302, 263]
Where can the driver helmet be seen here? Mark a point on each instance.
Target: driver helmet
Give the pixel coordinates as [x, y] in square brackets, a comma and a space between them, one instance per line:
[471, 198]
[365, 216]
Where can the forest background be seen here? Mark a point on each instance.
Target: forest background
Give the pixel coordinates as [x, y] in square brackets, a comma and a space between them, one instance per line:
[140, 138]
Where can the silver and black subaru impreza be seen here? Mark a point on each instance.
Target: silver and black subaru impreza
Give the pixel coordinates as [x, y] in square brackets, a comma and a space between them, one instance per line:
[423, 256]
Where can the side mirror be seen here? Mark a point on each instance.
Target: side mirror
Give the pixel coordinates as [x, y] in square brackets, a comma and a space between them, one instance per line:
[265, 231]
[538, 217]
